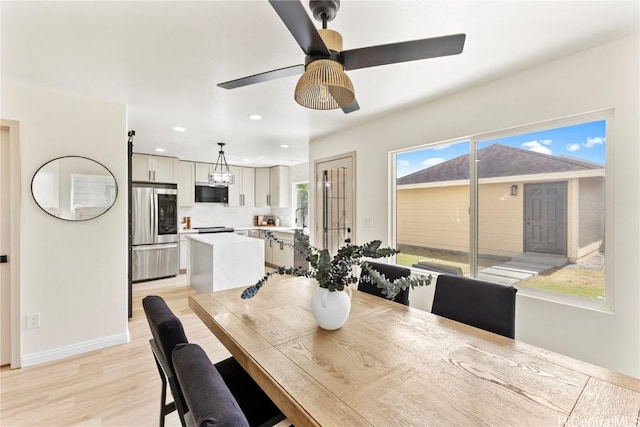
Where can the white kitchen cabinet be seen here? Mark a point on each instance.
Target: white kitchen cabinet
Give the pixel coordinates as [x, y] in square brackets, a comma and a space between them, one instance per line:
[202, 171]
[145, 167]
[241, 192]
[242, 233]
[183, 253]
[279, 187]
[272, 187]
[186, 184]
[282, 251]
[262, 187]
[279, 254]
[268, 250]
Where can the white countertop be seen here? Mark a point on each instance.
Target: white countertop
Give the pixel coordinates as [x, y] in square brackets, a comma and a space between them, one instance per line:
[215, 238]
[189, 231]
[290, 230]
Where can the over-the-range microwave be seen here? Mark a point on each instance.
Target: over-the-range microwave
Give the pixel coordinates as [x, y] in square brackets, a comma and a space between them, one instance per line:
[211, 194]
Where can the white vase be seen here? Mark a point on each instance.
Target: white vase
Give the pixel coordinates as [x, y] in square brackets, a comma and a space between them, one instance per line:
[331, 309]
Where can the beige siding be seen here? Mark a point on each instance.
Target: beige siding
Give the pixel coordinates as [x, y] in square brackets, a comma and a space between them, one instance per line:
[438, 217]
[500, 219]
[434, 217]
[591, 212]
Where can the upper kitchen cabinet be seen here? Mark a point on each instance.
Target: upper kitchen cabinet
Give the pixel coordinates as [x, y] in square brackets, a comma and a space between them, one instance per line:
[186, 184]
[150, 168]
[279, 186]
[241, 192]
[262, 189]
[202, 171]
[272, 187]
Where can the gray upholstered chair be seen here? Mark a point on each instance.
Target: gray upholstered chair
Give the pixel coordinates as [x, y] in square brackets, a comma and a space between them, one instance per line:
[391, 272]
[167, 332]
[209, 399]
[485, 305]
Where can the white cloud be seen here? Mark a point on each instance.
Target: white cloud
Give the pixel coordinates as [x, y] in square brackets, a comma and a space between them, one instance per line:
[432, 162]
[572, 147]
[537, 147]
[593, 141]
[404, 163]
[546, 141]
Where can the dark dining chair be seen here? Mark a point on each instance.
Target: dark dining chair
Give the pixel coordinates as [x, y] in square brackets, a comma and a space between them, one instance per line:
[210, 401]
[167, 332]
[391, 272]
[485, 305]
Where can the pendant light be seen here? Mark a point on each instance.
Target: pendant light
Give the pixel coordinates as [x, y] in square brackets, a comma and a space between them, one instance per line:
[221, 175]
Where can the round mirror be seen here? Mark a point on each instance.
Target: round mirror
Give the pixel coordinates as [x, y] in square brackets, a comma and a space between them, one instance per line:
[74, 188]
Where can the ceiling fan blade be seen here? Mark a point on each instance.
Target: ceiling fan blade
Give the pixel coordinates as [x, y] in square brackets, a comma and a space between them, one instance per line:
[403, 51]
[263, 77]
[300, 26]
[351, 107]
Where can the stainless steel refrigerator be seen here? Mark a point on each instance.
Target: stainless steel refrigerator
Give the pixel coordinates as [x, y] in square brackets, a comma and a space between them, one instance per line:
[155, 240]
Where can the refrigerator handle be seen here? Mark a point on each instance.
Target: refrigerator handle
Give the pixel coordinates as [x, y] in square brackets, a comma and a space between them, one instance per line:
[154, 215]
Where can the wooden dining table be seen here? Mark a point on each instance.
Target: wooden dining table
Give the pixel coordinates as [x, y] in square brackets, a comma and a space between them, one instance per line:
[394, 365]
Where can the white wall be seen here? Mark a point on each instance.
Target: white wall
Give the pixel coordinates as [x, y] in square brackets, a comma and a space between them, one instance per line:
[601, 78]
[73, 273]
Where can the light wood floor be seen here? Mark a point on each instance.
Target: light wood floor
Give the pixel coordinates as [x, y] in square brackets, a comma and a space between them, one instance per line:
[117, 386]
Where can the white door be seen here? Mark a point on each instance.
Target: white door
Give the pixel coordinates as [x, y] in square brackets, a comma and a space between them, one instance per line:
[335, 200]
[5, 278]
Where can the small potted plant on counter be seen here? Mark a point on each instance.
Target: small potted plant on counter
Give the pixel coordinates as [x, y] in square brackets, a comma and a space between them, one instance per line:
[330, 304]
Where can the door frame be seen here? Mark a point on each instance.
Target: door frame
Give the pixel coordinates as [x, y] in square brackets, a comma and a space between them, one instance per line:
[14, 241]
[316, 195]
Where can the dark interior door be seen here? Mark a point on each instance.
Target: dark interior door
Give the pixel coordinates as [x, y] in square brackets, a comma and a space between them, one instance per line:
[545, 218]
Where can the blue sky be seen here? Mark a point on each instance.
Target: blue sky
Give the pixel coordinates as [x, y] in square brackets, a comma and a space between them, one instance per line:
[584, 141]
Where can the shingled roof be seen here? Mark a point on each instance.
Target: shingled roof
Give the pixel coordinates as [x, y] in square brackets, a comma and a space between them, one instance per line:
[498, 160]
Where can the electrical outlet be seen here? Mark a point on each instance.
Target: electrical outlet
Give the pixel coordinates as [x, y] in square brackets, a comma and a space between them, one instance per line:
[33, 320]
[366, 222]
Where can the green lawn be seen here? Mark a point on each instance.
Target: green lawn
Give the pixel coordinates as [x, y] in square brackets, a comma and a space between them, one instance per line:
[580, 283]
[570, 281]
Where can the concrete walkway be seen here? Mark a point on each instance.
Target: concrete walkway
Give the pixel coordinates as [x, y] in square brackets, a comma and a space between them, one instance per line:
[521, 267]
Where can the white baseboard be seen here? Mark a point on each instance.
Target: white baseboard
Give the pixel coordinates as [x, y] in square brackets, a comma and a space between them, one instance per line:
[73, 349]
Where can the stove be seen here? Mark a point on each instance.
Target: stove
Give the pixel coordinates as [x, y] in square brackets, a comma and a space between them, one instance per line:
[217, 229]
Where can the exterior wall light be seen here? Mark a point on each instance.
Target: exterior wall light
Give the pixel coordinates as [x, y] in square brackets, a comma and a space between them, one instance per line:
[513, 190]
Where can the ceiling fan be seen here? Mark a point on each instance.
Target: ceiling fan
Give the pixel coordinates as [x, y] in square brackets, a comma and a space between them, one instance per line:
[324, 85]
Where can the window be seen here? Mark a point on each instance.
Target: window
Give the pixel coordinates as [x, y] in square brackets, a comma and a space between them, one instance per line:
[301, 204]
[524, 207]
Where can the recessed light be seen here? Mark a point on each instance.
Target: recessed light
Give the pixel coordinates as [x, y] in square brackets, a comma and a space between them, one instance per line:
[179, 129]
[160, 150]
[255, 116]
[284, 146]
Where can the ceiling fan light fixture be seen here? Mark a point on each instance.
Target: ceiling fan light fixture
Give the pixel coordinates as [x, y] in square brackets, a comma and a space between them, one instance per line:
[324, 86]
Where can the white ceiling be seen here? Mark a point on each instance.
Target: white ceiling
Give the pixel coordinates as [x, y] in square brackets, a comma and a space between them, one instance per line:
[164, 59]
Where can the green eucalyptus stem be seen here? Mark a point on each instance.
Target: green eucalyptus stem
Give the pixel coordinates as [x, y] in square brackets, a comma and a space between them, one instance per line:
[334, 273]
[390, 288]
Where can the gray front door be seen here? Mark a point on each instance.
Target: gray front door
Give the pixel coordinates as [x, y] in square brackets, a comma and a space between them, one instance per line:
[545, 218]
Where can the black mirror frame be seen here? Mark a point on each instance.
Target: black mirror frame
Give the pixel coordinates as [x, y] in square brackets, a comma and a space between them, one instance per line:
[115, 182]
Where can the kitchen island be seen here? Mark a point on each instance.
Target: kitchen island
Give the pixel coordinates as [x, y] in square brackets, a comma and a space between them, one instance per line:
[223, 260]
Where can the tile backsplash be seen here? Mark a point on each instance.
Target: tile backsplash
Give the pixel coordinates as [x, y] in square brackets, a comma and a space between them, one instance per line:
[217, 214]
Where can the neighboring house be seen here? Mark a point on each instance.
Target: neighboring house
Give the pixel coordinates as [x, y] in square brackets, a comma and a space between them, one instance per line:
[528, 202]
